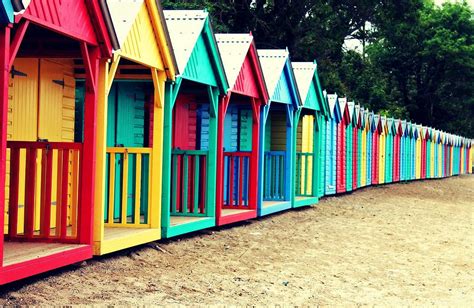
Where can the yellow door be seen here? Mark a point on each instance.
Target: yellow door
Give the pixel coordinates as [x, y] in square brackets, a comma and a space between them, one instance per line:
[382, 158]
[418, 159]
[56, 117]
[22, 117]
[41, 106]
[307, 146]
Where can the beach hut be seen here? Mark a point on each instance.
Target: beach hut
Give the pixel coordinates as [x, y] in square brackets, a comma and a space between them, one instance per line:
[404, 150]
[389, 133]
[331, 143]
[130, 126]
[357, 147]
[369, 118]
[456, 155]
[429, 153]
[441, 154]
[437, 154]
[424, 138]
[350, 146]
[190, 125]
[363, 147]
[376, 131]
[462, 156]
[413, 151]
[418, 149]
[397, 136]
[239, 129]
[382, 146]
[341, 167]
[468, 156]
[46, 170]
[276, 184]
[310, 135]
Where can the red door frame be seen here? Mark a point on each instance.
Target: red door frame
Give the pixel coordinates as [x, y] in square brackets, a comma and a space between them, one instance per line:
[91, 53]
[341, 171]
[423, 157]
[258, 97]
[396, 152]
[355, 154]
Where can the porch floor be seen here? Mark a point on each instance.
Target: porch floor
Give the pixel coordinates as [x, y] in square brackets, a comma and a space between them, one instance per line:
[117, 233]
[303, 198]
[181, 220]
[229, 212]
[18, 252]
[266, 204]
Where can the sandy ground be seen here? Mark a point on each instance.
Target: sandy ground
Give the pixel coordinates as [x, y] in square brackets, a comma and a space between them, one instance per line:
[404, 244]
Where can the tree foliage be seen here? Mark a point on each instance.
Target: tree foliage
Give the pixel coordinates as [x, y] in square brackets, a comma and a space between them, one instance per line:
[417, 61]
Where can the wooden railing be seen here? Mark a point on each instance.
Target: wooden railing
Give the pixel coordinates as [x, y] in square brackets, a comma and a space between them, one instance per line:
[236, 179]
[127, 195]
[188, 178]
[303, 176]
[274, 176]
[43, 199]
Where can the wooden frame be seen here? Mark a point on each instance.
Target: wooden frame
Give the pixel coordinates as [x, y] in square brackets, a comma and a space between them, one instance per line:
[128, 191]
[51, 248]
[247, 88]
[331, 144]
[203, 70]
[342, 131]
[315, 111]
[277, 120]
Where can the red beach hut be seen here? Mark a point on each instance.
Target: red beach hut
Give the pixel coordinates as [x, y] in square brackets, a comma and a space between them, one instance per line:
[397, 135]
[341, 146]
[376, 129]
[238, 129]
[46, 169]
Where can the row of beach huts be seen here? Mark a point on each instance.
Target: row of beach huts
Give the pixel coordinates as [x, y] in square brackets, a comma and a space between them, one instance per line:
[123, 124]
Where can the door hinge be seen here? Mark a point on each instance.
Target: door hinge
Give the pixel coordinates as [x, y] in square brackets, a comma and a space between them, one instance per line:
[59, 82]
[14, 73]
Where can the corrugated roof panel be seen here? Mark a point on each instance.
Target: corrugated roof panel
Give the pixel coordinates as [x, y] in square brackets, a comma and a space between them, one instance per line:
[233, 49]
[184, 27]
[304, 73]
[272, 62]
[123, 14]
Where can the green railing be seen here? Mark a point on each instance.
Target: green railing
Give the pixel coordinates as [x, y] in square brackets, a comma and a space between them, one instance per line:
[304, 174]
[188, 183]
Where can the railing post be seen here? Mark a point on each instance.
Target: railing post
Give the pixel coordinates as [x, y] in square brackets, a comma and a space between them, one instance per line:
[13, 198]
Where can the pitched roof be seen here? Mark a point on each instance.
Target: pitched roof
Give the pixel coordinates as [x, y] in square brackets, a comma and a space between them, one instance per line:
[332, 101]
[184, 27]
[233, 49]
[351, 106]
[304, 73]
[123, 14]
[273, 62]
